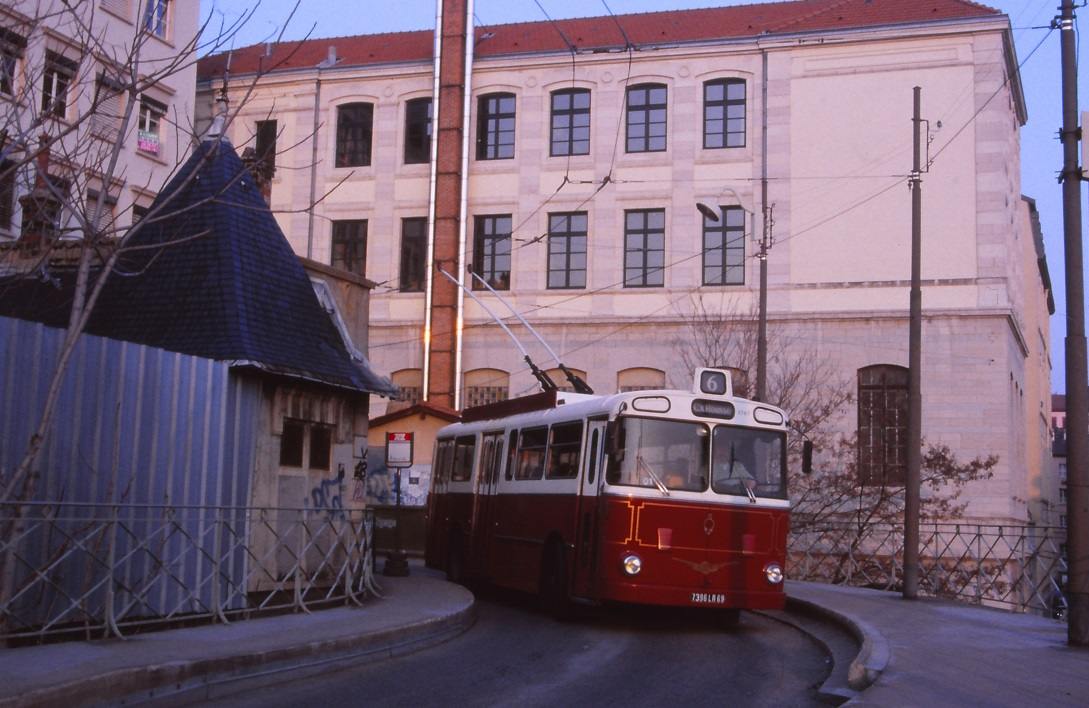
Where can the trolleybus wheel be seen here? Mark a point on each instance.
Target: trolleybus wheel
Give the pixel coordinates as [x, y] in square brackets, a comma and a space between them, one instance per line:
[554, 598]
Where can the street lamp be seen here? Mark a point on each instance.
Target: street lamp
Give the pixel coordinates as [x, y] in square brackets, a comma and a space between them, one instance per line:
[762, 316]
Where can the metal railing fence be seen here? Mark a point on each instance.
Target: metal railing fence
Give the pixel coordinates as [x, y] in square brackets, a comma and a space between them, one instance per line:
[92, 570]
[1021, 568]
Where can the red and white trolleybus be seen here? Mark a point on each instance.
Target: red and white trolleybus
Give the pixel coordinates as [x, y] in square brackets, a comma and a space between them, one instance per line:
[651, 497]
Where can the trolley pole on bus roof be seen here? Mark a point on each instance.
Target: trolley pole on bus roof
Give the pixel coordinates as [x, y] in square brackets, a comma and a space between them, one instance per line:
[915, 398]
[1077, 377]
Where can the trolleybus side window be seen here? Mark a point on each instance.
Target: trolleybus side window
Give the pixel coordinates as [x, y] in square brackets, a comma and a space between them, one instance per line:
[563, 452]
[442, 460]
[512, 453]
[463, 458]
[532, 445]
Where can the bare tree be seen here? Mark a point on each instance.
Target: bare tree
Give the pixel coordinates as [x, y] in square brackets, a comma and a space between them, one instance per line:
[800, 379]
[63, 136]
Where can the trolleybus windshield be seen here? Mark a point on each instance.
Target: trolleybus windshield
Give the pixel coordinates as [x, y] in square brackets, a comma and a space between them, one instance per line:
[748, 461]
[683, 456]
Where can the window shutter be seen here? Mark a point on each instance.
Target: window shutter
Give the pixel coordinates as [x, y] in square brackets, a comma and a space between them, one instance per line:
[107, 116]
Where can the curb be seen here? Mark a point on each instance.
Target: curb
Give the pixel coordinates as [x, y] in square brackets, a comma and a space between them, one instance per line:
[187, 680]
[874, 653]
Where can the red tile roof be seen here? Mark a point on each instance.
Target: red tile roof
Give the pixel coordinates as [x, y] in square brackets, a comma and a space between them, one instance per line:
[603, 33]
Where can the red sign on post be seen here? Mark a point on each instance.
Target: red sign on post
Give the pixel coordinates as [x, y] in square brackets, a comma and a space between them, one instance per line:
[398, 450]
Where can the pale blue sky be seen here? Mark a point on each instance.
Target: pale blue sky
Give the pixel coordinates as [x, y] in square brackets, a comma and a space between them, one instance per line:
[1040, 150]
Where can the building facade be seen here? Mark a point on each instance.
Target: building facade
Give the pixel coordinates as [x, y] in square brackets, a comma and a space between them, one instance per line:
[592, 141]
[78, 79]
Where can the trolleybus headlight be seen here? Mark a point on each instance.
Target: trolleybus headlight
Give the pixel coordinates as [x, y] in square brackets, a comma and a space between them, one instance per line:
[774, 573]
[632, 564]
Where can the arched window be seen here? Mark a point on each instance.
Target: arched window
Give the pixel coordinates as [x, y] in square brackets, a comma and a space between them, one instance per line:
[882, 424]
[560, 379]
[410, 385]
[485, 386]
[639, 379]
[724, 113]
[646, 113]
[354, 125]
[495, 126]
[570, 122]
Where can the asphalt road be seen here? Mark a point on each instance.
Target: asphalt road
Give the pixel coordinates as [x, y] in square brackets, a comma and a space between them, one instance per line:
[516, 656]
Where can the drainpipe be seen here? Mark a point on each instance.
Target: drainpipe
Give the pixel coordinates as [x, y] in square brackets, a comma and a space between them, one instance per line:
[464, 207]
[431, 188]
[330, 60]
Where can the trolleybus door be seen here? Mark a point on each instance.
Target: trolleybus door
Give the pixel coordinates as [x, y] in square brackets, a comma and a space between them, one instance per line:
[437, 506]
[484, 502]
[590, 479]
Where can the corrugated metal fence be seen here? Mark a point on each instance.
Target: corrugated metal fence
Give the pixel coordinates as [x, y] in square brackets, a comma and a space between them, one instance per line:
[140, 432]
[133, 424]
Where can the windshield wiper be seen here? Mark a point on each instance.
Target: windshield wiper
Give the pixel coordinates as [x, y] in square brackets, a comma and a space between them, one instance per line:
[640, 462]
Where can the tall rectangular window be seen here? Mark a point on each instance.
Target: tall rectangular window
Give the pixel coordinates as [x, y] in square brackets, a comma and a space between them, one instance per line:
[491, 250]
[12, 46]
[495, 127]
[417, 131]
[350, 246]
[354, 124]
[724, 248]
[7, 193]
[265, 144]
[157, 17]
[882, 424]
[567, 250]
[570, 122]
[57, 77]
[413, 254]
[724, 113]
[149, 125]
[644, 248]
[646, 114]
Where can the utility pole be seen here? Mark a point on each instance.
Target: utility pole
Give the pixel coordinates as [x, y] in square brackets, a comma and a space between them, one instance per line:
[762, 322]
[915, 398]
[1077, 377]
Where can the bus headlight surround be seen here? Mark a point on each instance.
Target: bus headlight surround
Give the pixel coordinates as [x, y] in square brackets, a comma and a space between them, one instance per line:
[774, 573]
[632, 564]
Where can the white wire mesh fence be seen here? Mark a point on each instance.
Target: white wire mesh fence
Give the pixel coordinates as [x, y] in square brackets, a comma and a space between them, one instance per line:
[91, 570]
[1022, 568]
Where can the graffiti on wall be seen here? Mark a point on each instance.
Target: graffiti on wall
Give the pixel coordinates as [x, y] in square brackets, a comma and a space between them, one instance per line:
[327, 498]
[381, 483]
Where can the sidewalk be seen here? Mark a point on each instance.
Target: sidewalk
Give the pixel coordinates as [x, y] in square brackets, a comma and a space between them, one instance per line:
[935, 653]
[922, 653]
[415, 612]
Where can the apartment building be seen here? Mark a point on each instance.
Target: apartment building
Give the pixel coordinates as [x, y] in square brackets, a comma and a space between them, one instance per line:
[76, 80]
[592, 141]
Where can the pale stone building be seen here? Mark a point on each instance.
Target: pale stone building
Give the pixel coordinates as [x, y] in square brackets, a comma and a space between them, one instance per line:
[58, 61]
[592, 141]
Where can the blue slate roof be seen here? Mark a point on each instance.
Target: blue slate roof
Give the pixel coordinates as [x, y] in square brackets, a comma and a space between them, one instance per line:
[215, 277]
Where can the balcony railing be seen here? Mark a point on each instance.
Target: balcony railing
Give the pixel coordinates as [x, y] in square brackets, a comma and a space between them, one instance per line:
[92, 570]
[1017, 567]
